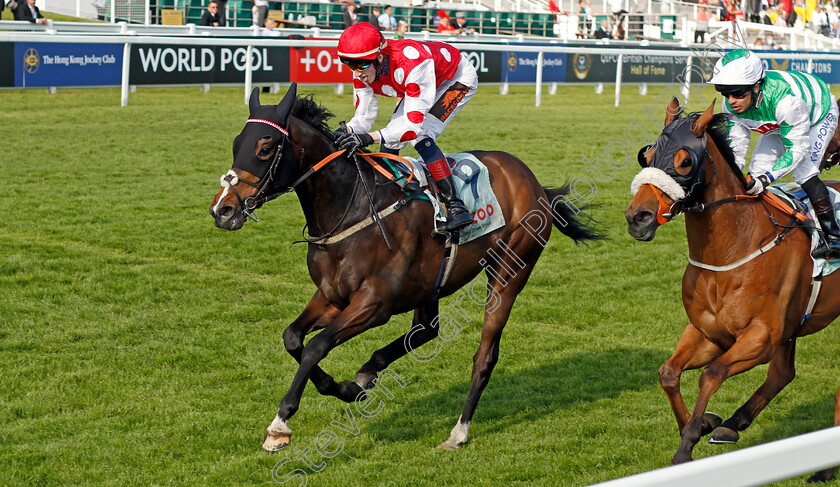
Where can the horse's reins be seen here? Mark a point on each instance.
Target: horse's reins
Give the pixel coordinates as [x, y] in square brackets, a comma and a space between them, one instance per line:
[251, 203]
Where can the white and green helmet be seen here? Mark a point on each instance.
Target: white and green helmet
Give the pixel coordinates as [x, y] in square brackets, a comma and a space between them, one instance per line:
[738, 68]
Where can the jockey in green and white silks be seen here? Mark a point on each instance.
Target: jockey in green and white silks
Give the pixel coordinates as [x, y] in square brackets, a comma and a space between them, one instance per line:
[795, 115]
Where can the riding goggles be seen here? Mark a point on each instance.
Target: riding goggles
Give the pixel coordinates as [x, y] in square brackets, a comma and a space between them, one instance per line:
[738, 92]
[357, 64]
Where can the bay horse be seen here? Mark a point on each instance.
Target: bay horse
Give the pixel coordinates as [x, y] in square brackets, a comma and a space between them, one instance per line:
[744, 306]
[360, 282]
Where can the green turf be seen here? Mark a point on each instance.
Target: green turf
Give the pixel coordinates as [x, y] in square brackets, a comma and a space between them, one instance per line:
[140, 345]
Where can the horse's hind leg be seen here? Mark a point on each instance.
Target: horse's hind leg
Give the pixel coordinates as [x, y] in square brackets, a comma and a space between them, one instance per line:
[780, 374]
[693, 351]
[317, 314]
[500, 298]
[420, 333]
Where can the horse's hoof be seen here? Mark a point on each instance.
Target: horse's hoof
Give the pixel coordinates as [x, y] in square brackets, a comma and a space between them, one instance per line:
[458, 436]
[822, 476]
[709, 423]
[349, 391]
[678, 461]
[366, 380]
[276, 441]
[724, 435]
[450, 445]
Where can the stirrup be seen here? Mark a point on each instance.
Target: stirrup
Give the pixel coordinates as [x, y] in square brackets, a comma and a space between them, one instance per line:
[830, 161]
[453, 225]
[824, 250]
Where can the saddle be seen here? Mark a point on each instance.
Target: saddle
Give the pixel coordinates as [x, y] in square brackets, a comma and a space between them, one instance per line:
[794, 196]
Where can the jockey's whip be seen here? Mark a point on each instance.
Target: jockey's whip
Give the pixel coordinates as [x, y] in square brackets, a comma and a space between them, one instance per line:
[370, 200]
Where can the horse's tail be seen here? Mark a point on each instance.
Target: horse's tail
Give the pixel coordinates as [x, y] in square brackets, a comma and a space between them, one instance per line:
[570, 219]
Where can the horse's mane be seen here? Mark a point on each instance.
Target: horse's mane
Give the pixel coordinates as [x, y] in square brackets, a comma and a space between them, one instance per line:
[311, 112]
[718, 130]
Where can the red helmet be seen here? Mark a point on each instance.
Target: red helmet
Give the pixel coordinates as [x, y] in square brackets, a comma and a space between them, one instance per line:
[360, 41]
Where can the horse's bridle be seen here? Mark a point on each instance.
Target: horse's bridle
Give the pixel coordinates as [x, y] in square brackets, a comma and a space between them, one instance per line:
[666, 213]
[251, 203]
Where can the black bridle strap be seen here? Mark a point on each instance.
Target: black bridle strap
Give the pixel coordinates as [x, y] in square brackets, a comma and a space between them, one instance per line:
[699, 207]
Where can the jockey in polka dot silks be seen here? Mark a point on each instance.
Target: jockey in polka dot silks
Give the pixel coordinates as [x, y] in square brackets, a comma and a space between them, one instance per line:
[434, 80]
[795, 115]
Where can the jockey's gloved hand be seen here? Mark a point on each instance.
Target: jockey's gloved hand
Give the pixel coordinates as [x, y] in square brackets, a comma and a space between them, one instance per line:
[757, 185]
[353, 141]
[338, 133]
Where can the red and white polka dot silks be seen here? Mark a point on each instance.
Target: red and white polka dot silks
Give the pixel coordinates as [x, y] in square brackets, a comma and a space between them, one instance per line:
[416, 69]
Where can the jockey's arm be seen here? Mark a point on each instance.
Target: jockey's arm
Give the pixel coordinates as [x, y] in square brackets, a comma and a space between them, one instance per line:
[421, 86]
[794, 119]
[366, 108]
[739, 139]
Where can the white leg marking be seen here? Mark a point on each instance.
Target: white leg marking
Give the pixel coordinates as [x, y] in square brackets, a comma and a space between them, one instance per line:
[278, 426]
[457, 437]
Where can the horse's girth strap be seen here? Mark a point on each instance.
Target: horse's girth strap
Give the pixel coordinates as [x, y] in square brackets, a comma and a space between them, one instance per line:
[449, 254]
[816, 285]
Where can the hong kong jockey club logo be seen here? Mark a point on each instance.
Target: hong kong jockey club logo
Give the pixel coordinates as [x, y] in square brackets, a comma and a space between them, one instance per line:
[31, 60]
[512, 62]
[582, 63]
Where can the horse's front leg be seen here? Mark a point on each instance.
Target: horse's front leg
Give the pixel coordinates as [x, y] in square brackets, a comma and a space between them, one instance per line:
[780, 373]
[752, 348]
[421, 332]
[363, 312]
[317, 314]
[693, 351]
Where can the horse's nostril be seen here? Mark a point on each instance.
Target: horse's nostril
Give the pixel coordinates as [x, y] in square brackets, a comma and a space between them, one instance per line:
[642, 216]
[225, 212]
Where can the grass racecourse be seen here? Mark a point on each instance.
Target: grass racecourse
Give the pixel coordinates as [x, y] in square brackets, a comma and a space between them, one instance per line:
[140, 345]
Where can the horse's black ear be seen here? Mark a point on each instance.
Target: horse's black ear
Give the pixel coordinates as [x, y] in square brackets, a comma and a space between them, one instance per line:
[254, 101]
[284, 108]
[642, 156]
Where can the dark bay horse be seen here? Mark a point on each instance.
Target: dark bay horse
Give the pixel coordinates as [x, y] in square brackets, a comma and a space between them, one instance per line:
[361, 283]
[743, 312]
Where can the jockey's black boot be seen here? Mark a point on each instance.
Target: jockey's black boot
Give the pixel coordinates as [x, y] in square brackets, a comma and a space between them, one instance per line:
[818, 194]
[457, 216]
[831, 231]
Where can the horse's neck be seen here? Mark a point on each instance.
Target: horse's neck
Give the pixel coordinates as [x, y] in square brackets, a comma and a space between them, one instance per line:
[324, 196]
[724, 233]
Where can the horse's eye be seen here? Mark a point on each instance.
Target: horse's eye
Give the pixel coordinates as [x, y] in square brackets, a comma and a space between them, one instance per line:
[264, 151]
[682, 162]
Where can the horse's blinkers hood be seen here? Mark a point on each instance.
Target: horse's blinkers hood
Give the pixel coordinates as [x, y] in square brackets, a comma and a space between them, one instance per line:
[677, 136]
[271, 117]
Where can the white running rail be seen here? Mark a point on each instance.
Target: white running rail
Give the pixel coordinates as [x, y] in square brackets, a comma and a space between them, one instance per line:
[758, 465]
